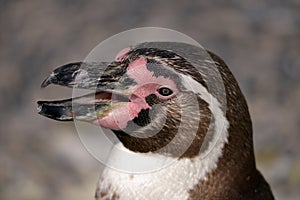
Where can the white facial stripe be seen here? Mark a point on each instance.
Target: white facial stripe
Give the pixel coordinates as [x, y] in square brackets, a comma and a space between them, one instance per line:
[221, 123]
[175, 181]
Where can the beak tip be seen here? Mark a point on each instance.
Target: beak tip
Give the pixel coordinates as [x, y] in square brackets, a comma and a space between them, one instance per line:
[50, 79]
[46, 82]
[40, 107]
[56, 112]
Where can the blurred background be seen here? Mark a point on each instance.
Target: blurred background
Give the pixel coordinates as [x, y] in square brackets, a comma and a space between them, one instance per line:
[44, 159]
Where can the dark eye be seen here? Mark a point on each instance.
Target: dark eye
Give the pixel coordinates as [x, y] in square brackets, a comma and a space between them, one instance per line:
[164, 91]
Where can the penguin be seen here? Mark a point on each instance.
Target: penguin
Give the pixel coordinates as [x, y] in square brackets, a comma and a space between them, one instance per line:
[168, 100]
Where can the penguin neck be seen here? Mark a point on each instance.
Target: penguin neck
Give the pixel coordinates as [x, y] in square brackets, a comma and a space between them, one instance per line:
[239, 149]
[236, 176]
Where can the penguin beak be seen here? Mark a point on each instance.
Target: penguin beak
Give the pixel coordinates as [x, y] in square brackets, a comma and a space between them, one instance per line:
[102, 78]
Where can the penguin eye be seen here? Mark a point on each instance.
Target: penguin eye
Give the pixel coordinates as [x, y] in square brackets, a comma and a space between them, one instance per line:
[164, 91]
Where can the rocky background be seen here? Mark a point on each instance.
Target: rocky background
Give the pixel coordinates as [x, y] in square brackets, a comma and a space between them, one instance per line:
[44, 159]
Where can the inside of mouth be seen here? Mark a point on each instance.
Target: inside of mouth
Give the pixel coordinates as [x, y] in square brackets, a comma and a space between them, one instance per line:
[103, 96]
[100, 97]
[107, 96]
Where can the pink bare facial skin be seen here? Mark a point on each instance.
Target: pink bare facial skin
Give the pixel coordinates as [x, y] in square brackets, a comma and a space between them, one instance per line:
[120, 56]
[118, 118]
[147, 83]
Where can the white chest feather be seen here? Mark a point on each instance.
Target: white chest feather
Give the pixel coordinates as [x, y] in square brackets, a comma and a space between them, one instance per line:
[172, 182]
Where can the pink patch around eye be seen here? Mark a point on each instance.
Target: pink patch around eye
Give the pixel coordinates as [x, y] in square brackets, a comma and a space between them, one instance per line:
[140, 62]
[146, 81]
[121, 54]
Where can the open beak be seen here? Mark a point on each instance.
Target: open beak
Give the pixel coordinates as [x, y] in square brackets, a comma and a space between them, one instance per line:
[102, 78]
